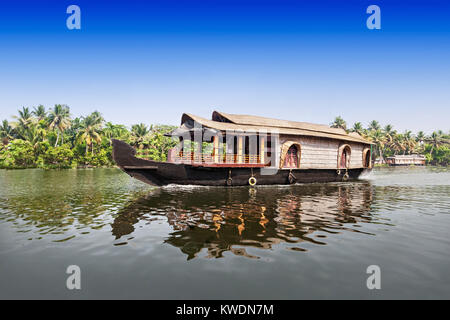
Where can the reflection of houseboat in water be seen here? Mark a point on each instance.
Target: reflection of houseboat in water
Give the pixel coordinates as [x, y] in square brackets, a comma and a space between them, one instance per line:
[221, 220]
[251, 150]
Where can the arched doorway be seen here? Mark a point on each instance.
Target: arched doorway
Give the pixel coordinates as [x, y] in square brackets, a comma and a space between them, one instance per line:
[291, 160]
[344, 157]
[367, 158]
[291, 153]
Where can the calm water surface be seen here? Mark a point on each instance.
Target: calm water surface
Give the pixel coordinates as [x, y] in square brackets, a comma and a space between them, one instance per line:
[305, 241]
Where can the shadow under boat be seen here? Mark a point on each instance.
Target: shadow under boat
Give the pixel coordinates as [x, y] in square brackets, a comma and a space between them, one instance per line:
[234, 219]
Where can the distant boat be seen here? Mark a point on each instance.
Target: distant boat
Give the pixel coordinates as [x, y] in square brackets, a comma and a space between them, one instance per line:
[250, 150]
[406, 160]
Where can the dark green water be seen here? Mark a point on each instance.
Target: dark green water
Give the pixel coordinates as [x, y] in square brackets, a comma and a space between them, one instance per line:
[303, 241]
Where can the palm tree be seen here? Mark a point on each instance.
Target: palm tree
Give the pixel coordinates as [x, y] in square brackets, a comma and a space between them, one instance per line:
[90, 129]
[339, 123]
[390, 134]
[24, 121]
[98, 116]
[39, 112]
[25, 117]
[112, 131]
[139, 133]
[435, 140]
[420, 137]
[409, 142]
[397, 143]
[389, 131]
[59, 119]
[358, 128]
[374, 125]
[35, 134]
[72, 132]
[6, 132]
[378, 137]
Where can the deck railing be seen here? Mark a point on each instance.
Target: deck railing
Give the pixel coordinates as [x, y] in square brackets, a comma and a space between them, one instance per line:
[221, 158]
[208, 158]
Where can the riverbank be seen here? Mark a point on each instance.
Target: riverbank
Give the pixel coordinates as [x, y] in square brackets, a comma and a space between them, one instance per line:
[60, 169]
[113, 166]
[52, 139]
[377, 166]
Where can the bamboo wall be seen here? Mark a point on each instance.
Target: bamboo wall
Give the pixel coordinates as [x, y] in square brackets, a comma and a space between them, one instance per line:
[322, 153]
[356, 159]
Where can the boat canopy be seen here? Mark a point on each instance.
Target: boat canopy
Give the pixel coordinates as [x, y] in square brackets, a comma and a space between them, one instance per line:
[248, 124]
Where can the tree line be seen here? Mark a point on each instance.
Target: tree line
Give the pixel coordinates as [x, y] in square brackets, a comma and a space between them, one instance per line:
[51, 138]
[388, 142]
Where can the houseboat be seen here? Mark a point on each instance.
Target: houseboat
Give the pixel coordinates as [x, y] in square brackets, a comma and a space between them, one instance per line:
[406, 160]
[250, 150]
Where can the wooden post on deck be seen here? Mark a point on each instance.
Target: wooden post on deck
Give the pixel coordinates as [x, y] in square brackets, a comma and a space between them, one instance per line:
[181, 151]
[216, 149]
[261, 149]
[240, 147]
[198, 153]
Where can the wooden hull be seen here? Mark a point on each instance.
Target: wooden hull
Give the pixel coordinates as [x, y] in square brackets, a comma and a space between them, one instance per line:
[164, 173]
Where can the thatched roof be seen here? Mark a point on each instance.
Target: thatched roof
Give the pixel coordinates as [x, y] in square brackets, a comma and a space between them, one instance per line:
[245, 123]
[275, 123]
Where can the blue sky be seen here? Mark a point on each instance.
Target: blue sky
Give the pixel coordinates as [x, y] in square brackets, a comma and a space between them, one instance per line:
[150, 61]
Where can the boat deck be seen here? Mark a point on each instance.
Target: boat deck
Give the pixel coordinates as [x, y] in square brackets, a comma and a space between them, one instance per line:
[215, 161]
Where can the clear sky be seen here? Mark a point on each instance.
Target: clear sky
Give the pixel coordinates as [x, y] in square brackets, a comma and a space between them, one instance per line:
[150, 61]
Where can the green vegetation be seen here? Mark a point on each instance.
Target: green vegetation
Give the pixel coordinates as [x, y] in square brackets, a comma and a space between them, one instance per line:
[388, 142]
[52, 139]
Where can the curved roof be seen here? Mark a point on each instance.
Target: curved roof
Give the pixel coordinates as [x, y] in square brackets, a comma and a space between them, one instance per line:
[244, 123]
[270, 122]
